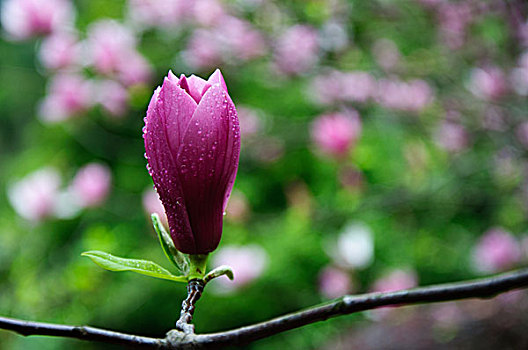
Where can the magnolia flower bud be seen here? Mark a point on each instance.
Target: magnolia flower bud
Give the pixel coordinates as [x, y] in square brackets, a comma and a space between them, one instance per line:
[192, 142]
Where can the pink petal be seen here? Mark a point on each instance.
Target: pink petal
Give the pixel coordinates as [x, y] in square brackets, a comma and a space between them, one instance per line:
[177, 108]
[208, 160]
[164, 171]
[217, 78]
[194, 86]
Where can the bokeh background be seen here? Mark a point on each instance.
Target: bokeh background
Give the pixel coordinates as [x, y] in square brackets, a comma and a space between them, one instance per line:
[384, 146]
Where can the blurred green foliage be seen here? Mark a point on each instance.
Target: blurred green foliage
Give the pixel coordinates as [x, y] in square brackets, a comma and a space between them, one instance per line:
[427, 218]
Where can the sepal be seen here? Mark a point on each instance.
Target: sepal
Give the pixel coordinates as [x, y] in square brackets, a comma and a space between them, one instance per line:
[180, 260]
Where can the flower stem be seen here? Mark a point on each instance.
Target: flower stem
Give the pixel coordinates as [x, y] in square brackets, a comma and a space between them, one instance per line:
[195, 289]
[197, 266]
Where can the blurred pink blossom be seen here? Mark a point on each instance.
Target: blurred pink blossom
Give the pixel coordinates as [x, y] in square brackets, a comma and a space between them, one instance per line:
[230, 40]
[334, 282]
[23, 19]
[495, 251]
[336, 86]
[519, 75]
[203, 50]
[250, 123]
[237, 207]
[134, 70]
[412, 96]
[68, 96]
[336, 134]
[112, 96]
[506, 165]
[522, 134]
[357, 86]
[155, 13]
[488, 83]
[239, 39]
[494, 119]
[152, 204]
[519, 80]
[60, 51]
[454, 19]
[447, 315]
[395, 280]
[34, 196]
[326, 88]
[386, 53]
[296, 50]
[112, 51]
[91, 184]
[268, 149]
[248, 263]
[109, 44]
[452, 137]
[208, 12]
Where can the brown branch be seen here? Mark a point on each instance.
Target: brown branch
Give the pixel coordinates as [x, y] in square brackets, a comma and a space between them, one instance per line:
[482, 288]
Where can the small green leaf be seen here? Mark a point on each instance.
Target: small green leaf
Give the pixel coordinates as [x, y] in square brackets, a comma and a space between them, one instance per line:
[144, 267]
[219, 271]
[176, 257]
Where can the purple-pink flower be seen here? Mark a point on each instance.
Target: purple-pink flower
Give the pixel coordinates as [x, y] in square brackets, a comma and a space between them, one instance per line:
[452, 137]
[395, 280]
[336, 86]
[155, 13]
[68, 95]
[112, 51]
[35, 196]
[411, 96]
[112, 96]
[334, 282]
[229, 40]
[522, 134]
[248, 263]
[208, 12]
[203, 49]
[386, 53]
[488, 83]
[91, 184]
[250, 123]
[296, 50]
[109, 44]
[60, 51]
[496, 250]
[335, 134]
[192, 142]
[23, 19]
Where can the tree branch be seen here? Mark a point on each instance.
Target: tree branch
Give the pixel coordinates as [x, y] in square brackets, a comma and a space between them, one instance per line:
[482, 288]
[27, 328]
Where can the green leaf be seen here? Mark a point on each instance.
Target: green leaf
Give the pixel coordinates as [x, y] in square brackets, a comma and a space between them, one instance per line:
[144, 267]
[176, 257]
[219, 271]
